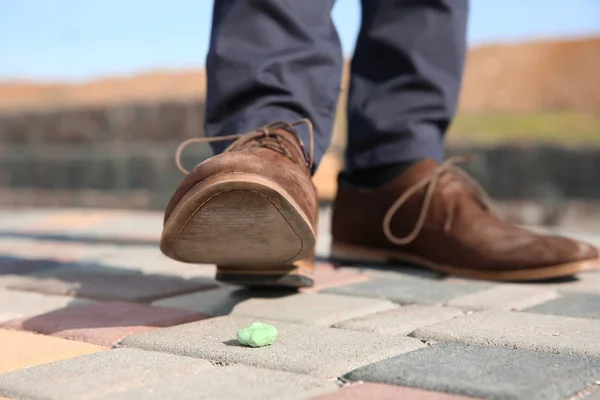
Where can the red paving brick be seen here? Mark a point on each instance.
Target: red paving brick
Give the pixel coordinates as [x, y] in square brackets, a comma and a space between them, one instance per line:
[327, 276]
[368, 391]
[103, 324]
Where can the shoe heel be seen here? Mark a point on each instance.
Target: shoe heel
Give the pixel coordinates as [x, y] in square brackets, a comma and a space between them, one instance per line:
[296, 275]
[237, 219]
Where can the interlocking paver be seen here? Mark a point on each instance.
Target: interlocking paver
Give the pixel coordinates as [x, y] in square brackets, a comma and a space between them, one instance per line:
[73, 219]
[16, 304]
[136, 374]
[571, 305]
[97, 285]
[150, 260]
[19, 266]
[327, 276]
[311, 309]
[395, 271]
[595, 395]
[521, 330]
[23, 349]
[587, 282]
[52, 250]
[381, 391]
[319, 351]
[217, 302]
[402, 320]
[103, 324]
[410, 290]
[486, 372]
[504, 297]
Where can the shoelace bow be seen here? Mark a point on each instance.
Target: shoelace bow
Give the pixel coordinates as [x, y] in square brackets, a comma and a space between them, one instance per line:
[431, 182]
[266, 136]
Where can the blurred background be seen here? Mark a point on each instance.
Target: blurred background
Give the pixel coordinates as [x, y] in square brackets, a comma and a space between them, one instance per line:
[96, 95]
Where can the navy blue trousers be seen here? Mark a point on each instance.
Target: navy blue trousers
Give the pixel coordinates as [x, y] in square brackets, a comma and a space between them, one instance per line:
[281, 59]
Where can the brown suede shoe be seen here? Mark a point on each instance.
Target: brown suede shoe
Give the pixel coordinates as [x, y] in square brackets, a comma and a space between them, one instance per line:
[437, 217]
[252, 210]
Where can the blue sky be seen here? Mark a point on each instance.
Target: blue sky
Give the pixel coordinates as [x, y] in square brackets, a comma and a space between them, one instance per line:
[83, 39]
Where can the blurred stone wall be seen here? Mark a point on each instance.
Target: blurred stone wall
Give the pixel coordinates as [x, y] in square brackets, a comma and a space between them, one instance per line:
[123, 156]
[117, 156]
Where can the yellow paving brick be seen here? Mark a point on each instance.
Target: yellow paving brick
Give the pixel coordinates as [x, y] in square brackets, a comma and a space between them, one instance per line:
[21, 349]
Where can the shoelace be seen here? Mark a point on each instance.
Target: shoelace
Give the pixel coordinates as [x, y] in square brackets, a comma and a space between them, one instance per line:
[431, 181]
[266, 136]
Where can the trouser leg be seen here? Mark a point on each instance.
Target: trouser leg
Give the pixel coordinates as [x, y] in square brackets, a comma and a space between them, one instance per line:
[271, 60]
[406, 76]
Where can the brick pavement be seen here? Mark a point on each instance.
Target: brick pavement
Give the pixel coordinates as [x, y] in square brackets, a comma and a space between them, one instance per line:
[90, 309]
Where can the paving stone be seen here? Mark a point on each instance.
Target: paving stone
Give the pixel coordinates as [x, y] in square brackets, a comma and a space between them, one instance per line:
[113, 224]
[521, 330]
[587, 282]
[486, 372]
[13, 221]
[52, 250]
[595, 395]
[136, 374]
[327, 276]
[221, 301]
[410, 290]
[311, 309]
[15, 304]
[237, 382]
[73, 219]
[504, 297]
[23, 349]
[17, 266]
[395, 271]
[103, 324]
[105, 285]
[381, 391]
[319, 351]
[571, 305]
[400, 321]
[150, 260]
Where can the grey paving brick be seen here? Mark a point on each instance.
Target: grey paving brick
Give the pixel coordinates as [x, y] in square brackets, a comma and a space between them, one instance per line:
[587, 282]
[504, 297]
[16, 304]
[486, 372]
[35, 250]
[17, 266]
[318, 351]
[400, 321]
[104, 285]
[396, 271]
[77, 223]
[151, 261]
[218, 301]
[521, 330]
[593, 395]
[312, 309]
[571, 305]
[137, 374]
[410, 290]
